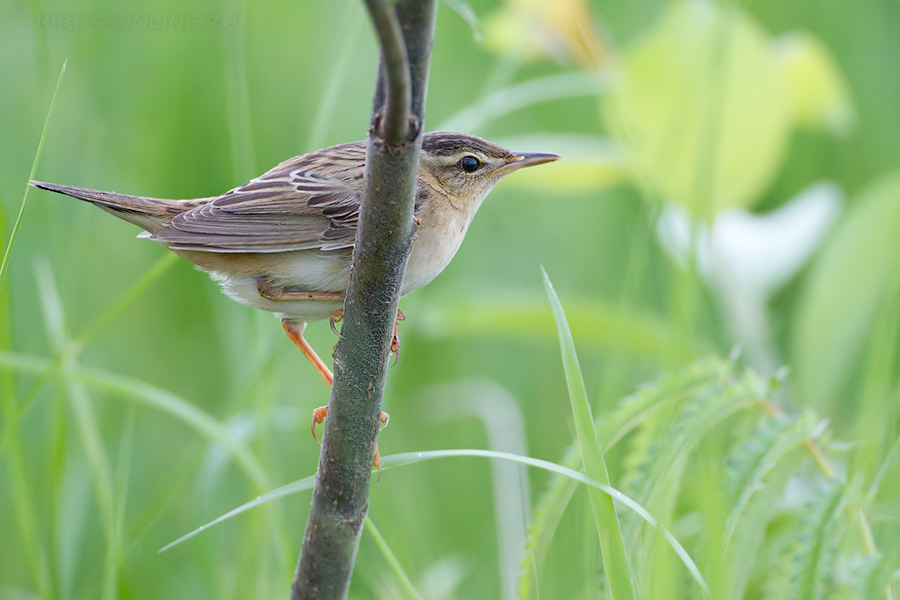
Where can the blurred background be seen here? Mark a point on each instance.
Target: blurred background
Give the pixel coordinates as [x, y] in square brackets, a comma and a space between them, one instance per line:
[726, 216]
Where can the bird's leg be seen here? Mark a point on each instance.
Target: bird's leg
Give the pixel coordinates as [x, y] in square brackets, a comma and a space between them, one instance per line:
[269, 291]
[294, 330]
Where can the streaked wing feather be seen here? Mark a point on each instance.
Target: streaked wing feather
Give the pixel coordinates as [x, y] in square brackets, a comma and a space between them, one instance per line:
[292, 207]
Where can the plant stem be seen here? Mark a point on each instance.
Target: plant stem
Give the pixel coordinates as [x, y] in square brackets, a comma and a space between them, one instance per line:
[393, 128]
[383, 241]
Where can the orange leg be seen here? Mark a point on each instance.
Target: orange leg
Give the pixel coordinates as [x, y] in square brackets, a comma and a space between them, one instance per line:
[294, 331]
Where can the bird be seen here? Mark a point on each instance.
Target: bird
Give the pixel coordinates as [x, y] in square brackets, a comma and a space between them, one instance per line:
[283, 241]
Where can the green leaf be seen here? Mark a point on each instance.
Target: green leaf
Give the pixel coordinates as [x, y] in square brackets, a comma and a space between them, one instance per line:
[522, 95]
[611, 428]
[87, 424]
[847, 284]
[467, 14]
[143, 393]
[759, 469]
[4, 264]
[817, 542]
[615, 560]
[533, 29]
[600, 323]
[391, 558]
[752, 461]
[658, 475]
[703, 107]
[819, 97]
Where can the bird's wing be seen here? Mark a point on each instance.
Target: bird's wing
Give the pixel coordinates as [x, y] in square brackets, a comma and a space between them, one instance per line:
[298, 205]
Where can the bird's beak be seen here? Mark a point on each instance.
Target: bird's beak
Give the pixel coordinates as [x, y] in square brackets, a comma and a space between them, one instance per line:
[528, 159]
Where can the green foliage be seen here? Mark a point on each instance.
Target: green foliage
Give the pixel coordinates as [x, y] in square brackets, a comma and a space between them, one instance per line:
[4, 264]
[137, 403]
[847, 297]
[615, 562]
[755, 524]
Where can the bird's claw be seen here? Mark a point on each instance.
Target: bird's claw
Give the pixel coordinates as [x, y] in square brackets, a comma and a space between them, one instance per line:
[336, 317]
[395, 340]
[318, 416]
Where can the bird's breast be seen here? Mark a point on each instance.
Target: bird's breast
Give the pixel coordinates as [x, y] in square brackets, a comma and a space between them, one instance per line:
[433, 249]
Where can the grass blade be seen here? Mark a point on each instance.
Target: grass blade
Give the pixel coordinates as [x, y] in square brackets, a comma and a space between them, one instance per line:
[615, 560]
[4, 266]
[306, 483]
[522, 95]
[392, 560]
[408, 458]
[467, 14]
[87, 425]
[75, 345]
[156, 398]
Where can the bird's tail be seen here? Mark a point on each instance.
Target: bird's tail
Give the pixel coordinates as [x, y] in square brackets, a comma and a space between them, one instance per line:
[150, 213]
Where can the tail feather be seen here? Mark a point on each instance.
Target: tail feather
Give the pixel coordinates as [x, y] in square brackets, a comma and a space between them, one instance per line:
[152, 214]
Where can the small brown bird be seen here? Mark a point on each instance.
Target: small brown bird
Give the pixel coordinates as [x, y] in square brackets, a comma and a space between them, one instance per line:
[283, 241]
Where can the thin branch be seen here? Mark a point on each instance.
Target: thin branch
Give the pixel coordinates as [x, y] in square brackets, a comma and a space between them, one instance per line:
[394, 126]
[384, 239]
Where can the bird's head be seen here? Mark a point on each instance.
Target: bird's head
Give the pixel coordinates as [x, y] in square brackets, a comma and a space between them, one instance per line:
[466, 168]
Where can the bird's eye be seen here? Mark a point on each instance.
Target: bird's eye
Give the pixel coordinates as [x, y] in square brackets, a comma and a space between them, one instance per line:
[469, 164]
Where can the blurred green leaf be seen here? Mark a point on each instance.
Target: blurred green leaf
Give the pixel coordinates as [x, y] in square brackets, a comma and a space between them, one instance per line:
[703, 107]
[589, 163]
[87, 425]
[637, 333]
[143, 393]
[819, 97]
[467, 14]
[539, 90]
[532, 29]
[845, 288]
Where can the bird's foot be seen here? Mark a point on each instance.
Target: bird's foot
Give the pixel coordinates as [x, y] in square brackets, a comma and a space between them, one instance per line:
[319, 415]
[336, 317]
[395, 340]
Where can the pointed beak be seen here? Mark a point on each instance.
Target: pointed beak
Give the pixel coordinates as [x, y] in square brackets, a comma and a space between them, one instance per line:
[528, 159]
